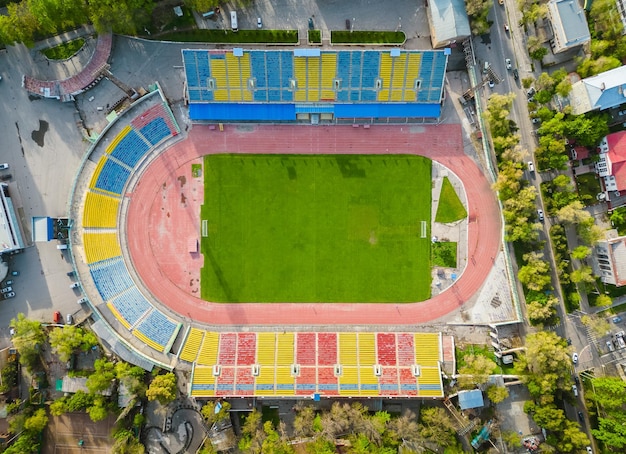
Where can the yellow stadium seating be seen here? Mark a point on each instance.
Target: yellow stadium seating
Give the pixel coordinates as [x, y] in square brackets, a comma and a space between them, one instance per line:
[208, 351]
[101, 246]
[266, 349]
[100, 210]
[329, 71]
[218, 72]
[192, 345]
[347, 349]
[284, 377]
[313, 78]
[118, 316]
[386, 63]
[412, 71]
[145, 339]
[367, 349]
[203, 376]
[244, 63]
[427, 349]
[349, 376]
[117, 139]
[399, 71]
[284, 349]
[233, 71]
[300, 75]
[367, 377]
[429, 376]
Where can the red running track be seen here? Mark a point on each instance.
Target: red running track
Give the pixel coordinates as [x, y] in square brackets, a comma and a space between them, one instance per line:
[169, 198]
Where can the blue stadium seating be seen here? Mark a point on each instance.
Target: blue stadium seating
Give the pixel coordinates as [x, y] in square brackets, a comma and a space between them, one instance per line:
[155, 131]
[343, 73]
[371, 62]
[258, 68]
[110, 277]
[191, 67]
[131, 305]
[273, 77]
[131, 148]
[113, 177]
[286, 68]
[157, 327]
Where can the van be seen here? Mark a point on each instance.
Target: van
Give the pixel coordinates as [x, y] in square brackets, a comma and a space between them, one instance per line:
[233, 21]
[61, 247]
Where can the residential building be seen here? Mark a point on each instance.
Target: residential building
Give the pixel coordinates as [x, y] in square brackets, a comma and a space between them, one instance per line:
[448, 22]
[569, 25]
[609, 259]
[601, 92]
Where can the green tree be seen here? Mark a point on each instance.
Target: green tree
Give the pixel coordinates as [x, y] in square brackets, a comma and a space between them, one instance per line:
[541, 313]
[102, 378]
[535, 274]
[604, 300]
[37, 422]
[549, 417]
[121, 16]
[99, 410]
[303, 423]
[65, 341]
[437, 427]
[581, 252]
[162, 388]
[273, 442]
[201, 6]
[572, 439]
[590, 67]
[126, 443]
[211, 416]
[476, 370]
[28, 339]
[611, 432]
[584, 275]
[132, 377]
[497, 394]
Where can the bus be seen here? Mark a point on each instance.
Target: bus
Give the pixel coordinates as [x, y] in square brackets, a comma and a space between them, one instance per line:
[233, 20]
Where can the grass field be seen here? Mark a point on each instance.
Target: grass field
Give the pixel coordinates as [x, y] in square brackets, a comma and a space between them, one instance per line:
[316, 228]
[450, 208]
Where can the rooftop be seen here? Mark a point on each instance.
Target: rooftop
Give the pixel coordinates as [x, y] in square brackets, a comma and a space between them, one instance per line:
[599, 92]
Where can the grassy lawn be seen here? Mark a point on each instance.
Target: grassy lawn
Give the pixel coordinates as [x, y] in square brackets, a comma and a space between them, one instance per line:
[196, 170]
[588, 188]
[270, 414]
[366, 37]
[65, 50]
[450, 208]
[315, 36]
[316, 228]
[444, 254]
[228, 36]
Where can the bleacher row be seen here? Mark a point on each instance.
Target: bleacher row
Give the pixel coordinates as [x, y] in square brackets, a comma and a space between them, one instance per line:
[79, 82]
[333, 76]
[100, 216]
[289, 363]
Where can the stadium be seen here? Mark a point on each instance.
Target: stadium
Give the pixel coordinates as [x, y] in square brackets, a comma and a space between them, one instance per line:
[156, 212]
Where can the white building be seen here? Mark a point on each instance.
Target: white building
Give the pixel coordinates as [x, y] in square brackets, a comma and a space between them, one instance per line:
[569, 25]
[609, 259]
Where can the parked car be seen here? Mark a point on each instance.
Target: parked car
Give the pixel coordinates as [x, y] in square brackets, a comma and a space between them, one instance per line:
[9, 295]
[575, 358]
[74, 284]
[531, 92]
[575, 390]
[6, 290]
[491, 83]
[15, 273]
[589, 450]
[581, 417]
[540, 215]
[609, 345]
[9, 282]
[347, 24]
[531, 167]
[508, 63]
[506, 27]
[57, 317]
[617, 320]
[515, 74]
[69, 319]
[259, 22]
[6, 177]
[4, 166]
[536, 120]
[82, 300]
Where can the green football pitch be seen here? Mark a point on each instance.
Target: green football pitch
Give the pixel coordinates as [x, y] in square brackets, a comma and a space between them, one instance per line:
[316, 228]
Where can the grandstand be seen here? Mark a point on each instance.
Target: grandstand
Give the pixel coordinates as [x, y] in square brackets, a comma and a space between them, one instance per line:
[101, 245]
[312, 85]
[345, 364]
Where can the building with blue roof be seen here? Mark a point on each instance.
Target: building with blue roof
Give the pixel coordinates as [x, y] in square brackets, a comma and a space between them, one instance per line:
[603, 91]
[313, 85]
[448, 22]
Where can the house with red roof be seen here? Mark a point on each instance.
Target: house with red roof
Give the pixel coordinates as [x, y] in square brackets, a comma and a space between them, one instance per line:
[612, 164]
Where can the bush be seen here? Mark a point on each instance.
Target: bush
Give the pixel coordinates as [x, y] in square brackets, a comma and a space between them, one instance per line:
[315, 36]
[65, 50]
[366, 37]
[228, 36]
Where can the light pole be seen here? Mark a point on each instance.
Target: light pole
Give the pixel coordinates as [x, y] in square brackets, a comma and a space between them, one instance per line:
[352, 25]
[399, 23]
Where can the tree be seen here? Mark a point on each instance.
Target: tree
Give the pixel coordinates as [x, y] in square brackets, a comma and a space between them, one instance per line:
[535, 274]
[201, 5]
[37, 422]
[121, 16]
[273, 442]
[572, 438]
[303, 424]
[609, 393]
[126, 443]
[406, 427]
[545, 82]
[590, 67]
[597, 324]
[102, 378]
[162, 388]
[132, 377]
[573, 213]
[547, 360]
[604, 300]
[581, 252]
[541, 313]
[497, 113]
[65, 341]
[584, 275]
[588, 232]
[436, 427]
[28, 339]
[497, 394]
[476, 370]
[211, 416]
[512, 439]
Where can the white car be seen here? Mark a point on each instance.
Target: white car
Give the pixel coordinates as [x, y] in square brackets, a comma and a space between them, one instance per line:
[575, 358]
[4, 166]
[82, 300]
[491, 84]
[259, 22]
[589, 450]
[9, 295]
[531, 167]
[74, 284]
[6, 290]
[508, 63]
[541, 217]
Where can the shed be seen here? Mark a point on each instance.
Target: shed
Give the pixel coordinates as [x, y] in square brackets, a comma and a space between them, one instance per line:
[471, 399]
